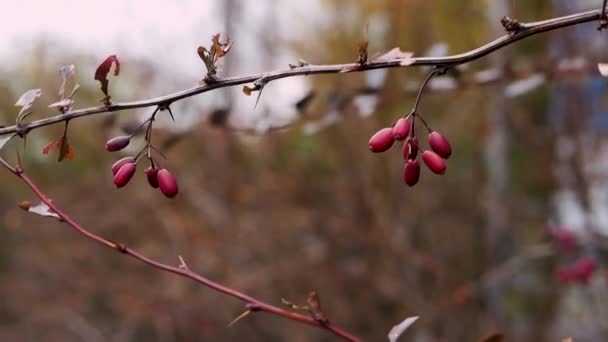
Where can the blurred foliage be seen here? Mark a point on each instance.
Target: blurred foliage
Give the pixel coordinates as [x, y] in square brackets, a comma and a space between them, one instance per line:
[279, 215]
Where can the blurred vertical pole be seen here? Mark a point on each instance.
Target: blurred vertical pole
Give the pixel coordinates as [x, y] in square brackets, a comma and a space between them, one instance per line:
[231, 13]
[498, 239]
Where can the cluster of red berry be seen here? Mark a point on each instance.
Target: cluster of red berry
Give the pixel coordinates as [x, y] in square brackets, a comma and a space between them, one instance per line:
[566, 242]
[124, 169]
[403, 129]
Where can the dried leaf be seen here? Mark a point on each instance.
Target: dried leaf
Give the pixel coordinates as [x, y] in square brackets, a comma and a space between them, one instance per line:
[27, 99]
[65, 103]
[101, 74]
[363, 44]
[5, 139]
[221, 49]
[603, 68]
[65, 72]
[53, 144]
[396, 54]
[65, 151]
[247, 90]
[400, 328]
[43, 210]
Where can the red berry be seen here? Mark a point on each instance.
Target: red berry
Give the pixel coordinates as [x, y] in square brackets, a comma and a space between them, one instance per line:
[124, 174]
[120, 163]
[401, 129]
[440, 145]
[411, 172]
[382, 140]
[564, 240]
[118, 143]
[167, 183]
[152, 175]
[434, 162]
[410, 148]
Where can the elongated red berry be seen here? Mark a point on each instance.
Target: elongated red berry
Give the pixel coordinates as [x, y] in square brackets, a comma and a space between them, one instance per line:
[401, 129]
[118, 143]
[411, 172]
[120, 163]
[410, 148]
[124, 174]
[382, 140]
[434, 162]
[167, 183]
[152, 175]
[440, 145]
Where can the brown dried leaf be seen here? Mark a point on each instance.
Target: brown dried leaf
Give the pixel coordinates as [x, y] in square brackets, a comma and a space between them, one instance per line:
[247, 90]
[221, 49]
[53, 144]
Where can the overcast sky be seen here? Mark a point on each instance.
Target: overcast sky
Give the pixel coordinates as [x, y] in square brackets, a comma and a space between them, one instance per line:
[166, 32]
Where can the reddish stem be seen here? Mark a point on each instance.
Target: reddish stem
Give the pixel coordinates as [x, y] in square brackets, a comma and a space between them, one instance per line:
[252, 304]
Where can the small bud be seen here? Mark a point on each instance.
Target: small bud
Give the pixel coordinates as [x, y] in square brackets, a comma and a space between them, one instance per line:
[124, 174]
[116, 166]
[25, 205]
[411, 172]
[401, 129]
[440, 145]
[152, 175]
[434, 162]
[167, 183]
[382, 140]
[410, 148]
[118, 143]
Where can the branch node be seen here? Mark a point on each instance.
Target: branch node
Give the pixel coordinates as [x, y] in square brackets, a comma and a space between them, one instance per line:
[511, 25]
[121, 247]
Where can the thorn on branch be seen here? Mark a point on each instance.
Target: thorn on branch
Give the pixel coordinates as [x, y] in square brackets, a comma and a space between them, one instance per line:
[239, 317]
[511, 25]
[182, 264]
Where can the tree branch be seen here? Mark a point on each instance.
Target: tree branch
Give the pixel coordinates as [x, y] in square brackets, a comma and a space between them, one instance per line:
[524, 30]
[252, 304]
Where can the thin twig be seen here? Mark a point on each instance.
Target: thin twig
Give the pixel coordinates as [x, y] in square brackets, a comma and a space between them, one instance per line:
[527, 29]
[252, 304]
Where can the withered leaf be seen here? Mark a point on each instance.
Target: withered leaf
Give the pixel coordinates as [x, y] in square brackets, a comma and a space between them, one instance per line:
[395, 54]
[101, 74]
[400, 328]
[221, 49]
[40, 209]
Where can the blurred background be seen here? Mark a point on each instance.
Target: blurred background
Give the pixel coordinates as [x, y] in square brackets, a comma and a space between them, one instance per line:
[512, 239]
